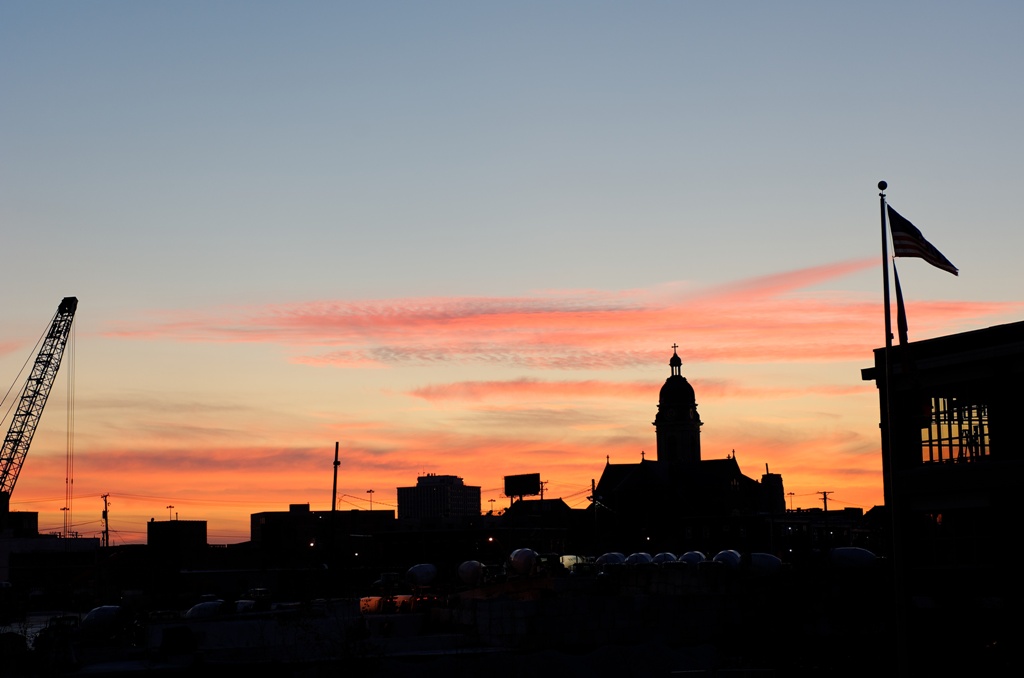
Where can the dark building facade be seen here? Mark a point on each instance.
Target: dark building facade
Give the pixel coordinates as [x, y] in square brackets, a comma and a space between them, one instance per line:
[950, 408]
[300, 528]
[438, 497]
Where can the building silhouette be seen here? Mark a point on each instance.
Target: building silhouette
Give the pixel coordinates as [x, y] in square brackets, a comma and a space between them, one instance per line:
[677, 424]
[950, 409]
[438, 498]
[300, 528]
[680, 500]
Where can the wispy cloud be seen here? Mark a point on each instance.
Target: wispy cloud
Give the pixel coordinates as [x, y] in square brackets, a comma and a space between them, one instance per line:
[533, 388]
[760, 319]
[537, 389]
[9, 347]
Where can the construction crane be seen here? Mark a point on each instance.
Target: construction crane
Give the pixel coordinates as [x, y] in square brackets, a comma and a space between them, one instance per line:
[33, 398]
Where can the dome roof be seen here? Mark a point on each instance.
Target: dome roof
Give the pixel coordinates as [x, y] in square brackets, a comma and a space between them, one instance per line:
[677, 391]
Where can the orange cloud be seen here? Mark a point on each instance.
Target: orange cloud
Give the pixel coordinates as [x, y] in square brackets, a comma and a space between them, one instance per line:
[223, 485]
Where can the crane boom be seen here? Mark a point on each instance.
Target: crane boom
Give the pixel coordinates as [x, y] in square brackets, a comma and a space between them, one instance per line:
[33, 396]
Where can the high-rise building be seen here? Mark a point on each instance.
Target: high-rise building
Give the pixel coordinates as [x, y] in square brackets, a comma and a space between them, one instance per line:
[438, 497]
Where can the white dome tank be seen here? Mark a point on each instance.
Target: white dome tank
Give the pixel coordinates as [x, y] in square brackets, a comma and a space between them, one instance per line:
[765, 563]
[523, 560]
[729, 558]
[422, 574]
[693, 557]
[852, 556]
[471, 572]
[612, 558]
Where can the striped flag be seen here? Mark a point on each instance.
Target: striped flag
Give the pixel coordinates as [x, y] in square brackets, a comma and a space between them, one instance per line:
[902, 329]
[907, 241]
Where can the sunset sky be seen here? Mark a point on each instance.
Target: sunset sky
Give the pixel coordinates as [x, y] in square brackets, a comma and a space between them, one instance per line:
[462, 237]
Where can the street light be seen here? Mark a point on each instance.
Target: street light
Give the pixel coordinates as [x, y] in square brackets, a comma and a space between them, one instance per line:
[169, 507]
[492, 506]
[370, 492]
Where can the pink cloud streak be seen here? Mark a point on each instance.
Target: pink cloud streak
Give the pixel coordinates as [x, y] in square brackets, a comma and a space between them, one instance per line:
[9, 347]
[535, 388]
[761, 319]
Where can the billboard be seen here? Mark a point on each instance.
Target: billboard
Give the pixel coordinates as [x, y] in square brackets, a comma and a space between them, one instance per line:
[524, 485]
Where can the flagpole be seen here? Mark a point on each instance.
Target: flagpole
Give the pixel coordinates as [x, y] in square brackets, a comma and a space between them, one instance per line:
[885, 266]
[885, 423]
[887, 454]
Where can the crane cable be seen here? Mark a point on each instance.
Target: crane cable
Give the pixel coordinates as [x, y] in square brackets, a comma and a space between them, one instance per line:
[31, 357]
[69, 464]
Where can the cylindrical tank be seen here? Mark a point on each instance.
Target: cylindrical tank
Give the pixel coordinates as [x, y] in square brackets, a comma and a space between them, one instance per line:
[422, 574]
[523, 560]
[471, 572]
[728, 558]
[765, 563]
[693, 557]
[852, 556]
[612, 558]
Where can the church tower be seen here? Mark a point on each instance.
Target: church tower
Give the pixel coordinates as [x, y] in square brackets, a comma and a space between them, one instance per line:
[677, 424]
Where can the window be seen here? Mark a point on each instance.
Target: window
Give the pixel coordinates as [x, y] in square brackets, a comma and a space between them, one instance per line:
[957, 431]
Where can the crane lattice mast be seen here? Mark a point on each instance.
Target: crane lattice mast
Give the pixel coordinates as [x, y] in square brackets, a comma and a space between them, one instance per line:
[33, 396]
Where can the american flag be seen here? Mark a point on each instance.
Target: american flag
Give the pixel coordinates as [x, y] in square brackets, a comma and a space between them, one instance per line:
[907, 241]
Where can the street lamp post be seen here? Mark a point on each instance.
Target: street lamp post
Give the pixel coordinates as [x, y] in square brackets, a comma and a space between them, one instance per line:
[370, 492]
[169, 507]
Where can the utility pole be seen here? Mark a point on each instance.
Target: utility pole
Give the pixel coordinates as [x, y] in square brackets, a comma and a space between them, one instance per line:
[334, 493]
[790, 495]
[593, 501]
[828, 533]
[106, 522]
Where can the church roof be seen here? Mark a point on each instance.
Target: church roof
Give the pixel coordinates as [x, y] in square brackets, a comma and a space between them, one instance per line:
[677, 391]
[698, 488]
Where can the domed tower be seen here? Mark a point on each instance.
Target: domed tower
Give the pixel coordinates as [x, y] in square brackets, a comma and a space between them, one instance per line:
[677, 424]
